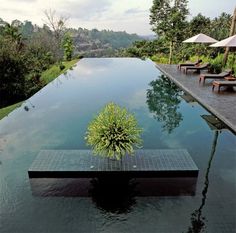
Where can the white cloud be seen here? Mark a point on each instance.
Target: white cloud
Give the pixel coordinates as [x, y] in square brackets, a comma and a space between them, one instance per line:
[211, 8]
[84, 9]
[129, 15]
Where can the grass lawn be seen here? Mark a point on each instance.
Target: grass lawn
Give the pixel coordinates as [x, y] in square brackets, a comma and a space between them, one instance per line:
[47, 76]
[5, 111]
[53, 72]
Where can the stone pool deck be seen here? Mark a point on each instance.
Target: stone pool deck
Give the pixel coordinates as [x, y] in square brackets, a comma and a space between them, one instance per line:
[221, 104]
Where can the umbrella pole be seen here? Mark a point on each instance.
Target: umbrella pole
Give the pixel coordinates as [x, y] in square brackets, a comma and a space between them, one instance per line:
[233, 64]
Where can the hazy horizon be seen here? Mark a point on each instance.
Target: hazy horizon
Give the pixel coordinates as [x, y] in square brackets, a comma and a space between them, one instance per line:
[130, 16]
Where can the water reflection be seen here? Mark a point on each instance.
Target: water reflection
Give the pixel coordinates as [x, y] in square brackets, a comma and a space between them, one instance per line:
[198, 221]
[52, 187]
[84, 187]
[163, 100]
[114, 195]
[28, 106]
[189, 99]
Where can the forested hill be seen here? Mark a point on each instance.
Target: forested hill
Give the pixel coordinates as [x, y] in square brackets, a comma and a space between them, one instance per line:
[90, 43]
[115, 39]
[105, 42]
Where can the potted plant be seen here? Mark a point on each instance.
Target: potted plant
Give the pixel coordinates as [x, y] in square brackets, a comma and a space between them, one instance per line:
[113, 132]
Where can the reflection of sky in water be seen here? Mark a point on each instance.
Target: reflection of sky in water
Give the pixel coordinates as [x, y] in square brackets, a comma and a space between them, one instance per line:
[58, 120]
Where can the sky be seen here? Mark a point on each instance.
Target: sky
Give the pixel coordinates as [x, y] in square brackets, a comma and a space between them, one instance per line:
[117, 15]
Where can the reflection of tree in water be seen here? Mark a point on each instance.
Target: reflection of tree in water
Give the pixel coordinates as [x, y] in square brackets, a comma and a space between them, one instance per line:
[115, 195]
[197, 220]
[163, 100]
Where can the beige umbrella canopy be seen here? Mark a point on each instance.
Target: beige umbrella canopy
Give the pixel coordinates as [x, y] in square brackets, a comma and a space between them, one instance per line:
[201, 38]
[228, 42]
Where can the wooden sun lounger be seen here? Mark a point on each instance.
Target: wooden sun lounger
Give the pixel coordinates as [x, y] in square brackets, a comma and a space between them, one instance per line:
[222, 75]
[220, 84]
[189, 64]
[197, 68]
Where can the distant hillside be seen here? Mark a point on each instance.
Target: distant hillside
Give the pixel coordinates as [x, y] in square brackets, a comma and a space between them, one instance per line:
[94, 43]
[88, 43]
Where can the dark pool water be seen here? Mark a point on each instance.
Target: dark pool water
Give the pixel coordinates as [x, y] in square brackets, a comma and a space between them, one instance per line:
[56, 118]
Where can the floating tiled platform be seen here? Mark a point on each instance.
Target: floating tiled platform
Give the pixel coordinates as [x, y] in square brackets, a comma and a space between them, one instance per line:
[222, 104]
[82, 163]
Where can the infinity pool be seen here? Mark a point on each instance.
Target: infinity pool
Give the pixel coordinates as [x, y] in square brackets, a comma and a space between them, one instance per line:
[57, 117]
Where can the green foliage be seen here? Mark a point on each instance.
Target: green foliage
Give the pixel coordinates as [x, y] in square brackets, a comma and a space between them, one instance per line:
[114, 39]
[61, 66]
[231, 62]
[162, 58]
[27, 29]
[5, 111]
[113, 132]
[68, 47]
[168, 20]
[20, 66]
[220, 26]
[13, 70]
[216, 64]
[163, 100]
[95, 43]
[54, 71]
[11, 32]
[199, 24]
[38, 58]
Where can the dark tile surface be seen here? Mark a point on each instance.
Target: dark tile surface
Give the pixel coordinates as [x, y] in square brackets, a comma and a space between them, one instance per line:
[222, 104]
[82, 163]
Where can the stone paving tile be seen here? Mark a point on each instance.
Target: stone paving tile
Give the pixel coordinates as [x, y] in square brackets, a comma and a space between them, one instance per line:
[167, 161]
[222, 104]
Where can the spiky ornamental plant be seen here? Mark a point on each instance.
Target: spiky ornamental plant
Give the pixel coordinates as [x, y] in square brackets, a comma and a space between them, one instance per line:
[114, 132]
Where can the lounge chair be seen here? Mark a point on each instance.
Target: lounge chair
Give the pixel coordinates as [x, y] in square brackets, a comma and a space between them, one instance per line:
[196, 68]
[220, 84]
[189, 64]
[221, 75]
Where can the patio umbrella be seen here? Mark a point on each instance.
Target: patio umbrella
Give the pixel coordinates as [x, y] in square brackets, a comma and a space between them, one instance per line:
[228, 42]
[201, 38]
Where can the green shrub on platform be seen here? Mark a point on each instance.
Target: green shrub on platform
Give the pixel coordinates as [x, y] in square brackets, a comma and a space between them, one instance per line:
[216, 64]
[114, 132]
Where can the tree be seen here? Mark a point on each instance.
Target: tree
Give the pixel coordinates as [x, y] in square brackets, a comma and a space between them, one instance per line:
[220, 26]
[21, 64]
[12, 72]
[58, 27]
[27, 29]
[199, 24]
[68, 47]
[168, 20]
[232, 32]
[11, 31]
